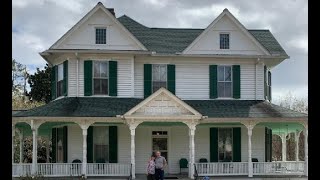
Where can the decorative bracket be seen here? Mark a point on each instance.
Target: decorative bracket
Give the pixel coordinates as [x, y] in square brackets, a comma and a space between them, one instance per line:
[36, 124]
[85, 124]
[192, 124]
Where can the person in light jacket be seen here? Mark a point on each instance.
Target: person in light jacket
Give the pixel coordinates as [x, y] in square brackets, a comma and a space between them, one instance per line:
[151, 168]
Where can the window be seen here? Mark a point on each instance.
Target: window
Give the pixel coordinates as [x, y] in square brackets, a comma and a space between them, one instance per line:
[59, 141]
[269, 78]
[100, 78]
[101, 144]
[101, 37]
[60, 80]
[159, 76]
[224, 81]
[225, 144]
[224, 41]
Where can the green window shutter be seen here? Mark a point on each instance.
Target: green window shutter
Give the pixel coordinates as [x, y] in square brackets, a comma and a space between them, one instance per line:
[147, 69]
[88, 78]
[54, 145]
[171, 74]
[268, 145]
[213, 81]
[113, 144]
[90, 145]
[213, 144]
[65, 144]
[265, 81]
[236, 144]
[269, 86]
[53, 82]
[65, 78]
[113, 69]
[236, 81]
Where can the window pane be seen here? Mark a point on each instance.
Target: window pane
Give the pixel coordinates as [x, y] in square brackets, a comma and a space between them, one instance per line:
[155, 72]
[220, 73]
[220, 89]
[225, 144]
[159, 144]
[155, 86]
[101, 143]
[96, 86]
[227, 89]
[96, 69]
[59, 88]
[104, 69]
[163, 72]
[60, 72]
[224, 41]
[104, 86]
[227, 73]
[101, 36]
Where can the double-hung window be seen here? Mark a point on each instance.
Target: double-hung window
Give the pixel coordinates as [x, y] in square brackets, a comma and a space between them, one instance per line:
[224, 41]
[101, 36]
[60, 80]
[101, 144]
[225, 81]
[225, 144]
[159, 76]
[100, 78]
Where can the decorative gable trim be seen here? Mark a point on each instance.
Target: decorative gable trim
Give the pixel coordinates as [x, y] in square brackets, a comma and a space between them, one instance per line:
[238, 24]
[86, 17]
[174, 98]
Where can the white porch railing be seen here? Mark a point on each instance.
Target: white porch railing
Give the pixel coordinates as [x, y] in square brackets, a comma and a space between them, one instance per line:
[278, 168]
[59, 169]
[22, 169]
[108, 169]
[222, 168]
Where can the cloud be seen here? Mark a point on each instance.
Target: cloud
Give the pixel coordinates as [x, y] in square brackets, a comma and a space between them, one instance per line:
[37, 24]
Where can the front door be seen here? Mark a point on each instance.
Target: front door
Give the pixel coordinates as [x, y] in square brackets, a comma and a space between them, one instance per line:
[160, 142]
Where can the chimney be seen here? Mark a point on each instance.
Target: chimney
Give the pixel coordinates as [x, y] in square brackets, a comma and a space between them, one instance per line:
[112, 11]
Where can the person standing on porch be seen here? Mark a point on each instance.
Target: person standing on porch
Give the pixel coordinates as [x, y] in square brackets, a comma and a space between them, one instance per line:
[160, 163]
[151, 168]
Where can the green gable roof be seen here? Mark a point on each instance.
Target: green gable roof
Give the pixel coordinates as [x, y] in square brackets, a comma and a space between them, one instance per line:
[173, 40]
[111, 107]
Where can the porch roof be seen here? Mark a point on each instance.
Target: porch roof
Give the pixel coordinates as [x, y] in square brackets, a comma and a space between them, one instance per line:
[110, 107]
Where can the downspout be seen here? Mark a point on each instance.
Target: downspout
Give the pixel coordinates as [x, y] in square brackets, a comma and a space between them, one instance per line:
[77, 73]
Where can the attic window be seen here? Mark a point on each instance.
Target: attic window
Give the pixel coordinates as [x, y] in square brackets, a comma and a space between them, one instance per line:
[224, 41]
[101, 37]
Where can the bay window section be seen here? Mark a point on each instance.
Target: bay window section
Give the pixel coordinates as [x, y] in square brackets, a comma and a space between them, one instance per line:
[159, 76]
[100, 78]
[101, 144]
[60, 80]
[225, 81]
[225, 144]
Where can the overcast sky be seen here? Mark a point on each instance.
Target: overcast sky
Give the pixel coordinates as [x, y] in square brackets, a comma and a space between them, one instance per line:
[37, 24]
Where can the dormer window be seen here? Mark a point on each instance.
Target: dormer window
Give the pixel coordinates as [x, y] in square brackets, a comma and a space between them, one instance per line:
[224, 41]
[101, 36]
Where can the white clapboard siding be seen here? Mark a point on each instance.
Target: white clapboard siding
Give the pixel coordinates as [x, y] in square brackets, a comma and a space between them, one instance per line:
[72, 78]
[257, 141]
[192, 77]
[143, 148]
[74, 143]
[202, 143]
[124, 78]
[124, 144]
[260, 81]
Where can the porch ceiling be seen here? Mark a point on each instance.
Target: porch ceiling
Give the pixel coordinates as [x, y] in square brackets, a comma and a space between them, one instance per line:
[283, 127]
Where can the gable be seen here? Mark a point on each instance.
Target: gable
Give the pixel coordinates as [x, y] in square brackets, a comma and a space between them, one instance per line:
[82, 35]
[240, 42]
[162, 103]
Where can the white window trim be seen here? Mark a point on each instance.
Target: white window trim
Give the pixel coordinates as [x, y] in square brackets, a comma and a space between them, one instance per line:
[230, 65]
[94, 37]
[100, 95]
[152, 75]
[229, 40]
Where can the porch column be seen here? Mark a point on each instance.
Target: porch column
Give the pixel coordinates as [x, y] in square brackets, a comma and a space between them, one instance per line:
[133, 161]
[13, 134]
[306, 150]
[191, 151]
[250, 165]
[84, 150]
[297, 135]
[34, 149]
[284, 147]
[48, 150]
[21, 146]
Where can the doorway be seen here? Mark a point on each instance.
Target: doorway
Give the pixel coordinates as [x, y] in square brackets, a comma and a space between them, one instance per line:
[160, 143]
